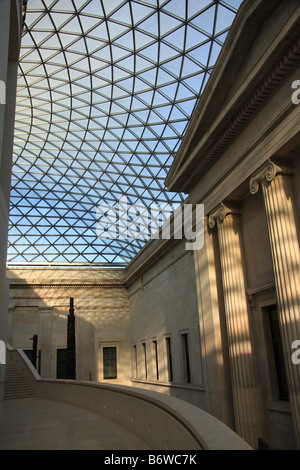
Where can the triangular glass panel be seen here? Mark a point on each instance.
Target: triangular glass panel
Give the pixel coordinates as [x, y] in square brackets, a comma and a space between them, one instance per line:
[60, 18]
[122, 15]
[168, 23]
[225, 18]
[194, 6]
[88, 23]
[150, 25]
[206, 20]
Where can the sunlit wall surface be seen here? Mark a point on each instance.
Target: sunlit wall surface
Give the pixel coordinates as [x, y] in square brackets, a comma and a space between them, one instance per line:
[106, 90]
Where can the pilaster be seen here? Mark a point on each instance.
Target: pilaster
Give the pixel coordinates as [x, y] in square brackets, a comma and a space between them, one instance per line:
[275, 182]
[213, 331]
[246, 390]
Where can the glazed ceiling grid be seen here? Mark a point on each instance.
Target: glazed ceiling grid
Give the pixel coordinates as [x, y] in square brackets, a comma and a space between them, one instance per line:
[106, 89]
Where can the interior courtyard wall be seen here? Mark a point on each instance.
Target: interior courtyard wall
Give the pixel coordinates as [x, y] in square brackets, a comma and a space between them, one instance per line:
[39, 304]
[163, 303]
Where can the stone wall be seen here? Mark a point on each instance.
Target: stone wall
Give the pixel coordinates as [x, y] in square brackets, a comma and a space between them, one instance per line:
[163, 304]
[39, 304]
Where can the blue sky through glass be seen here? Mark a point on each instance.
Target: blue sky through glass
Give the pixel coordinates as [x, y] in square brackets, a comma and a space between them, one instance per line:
[106, 90]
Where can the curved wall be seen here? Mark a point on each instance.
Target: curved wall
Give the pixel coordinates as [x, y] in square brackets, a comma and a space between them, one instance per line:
[161, 421]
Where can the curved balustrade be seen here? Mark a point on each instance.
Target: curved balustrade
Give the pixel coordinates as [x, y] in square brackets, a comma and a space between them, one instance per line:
[162, 421]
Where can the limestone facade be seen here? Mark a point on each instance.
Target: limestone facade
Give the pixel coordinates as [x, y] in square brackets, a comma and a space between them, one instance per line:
[40, 304]
[240, 158]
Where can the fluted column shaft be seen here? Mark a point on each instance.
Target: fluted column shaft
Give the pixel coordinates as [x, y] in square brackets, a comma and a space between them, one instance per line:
[275, 182]
[246, 391]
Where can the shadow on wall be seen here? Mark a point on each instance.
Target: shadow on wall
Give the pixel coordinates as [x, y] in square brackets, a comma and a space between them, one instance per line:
[42, 307]
[164, 329]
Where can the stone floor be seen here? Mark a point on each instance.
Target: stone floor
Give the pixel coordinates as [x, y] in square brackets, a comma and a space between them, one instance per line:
[39, 424]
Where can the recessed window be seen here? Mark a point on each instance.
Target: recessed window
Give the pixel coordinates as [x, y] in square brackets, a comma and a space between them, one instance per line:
[186, 369]
[169, 359]
[278, 353]
[134, 359]
[110, 363]
[145, 359]
[155, 359]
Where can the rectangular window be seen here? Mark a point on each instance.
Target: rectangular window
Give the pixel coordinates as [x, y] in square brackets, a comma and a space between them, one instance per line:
[145, 359]
[155, 357]
[185, 358]
[61, 364]
[169, 359]
[134, 358]
[110, 363]
[278, 353]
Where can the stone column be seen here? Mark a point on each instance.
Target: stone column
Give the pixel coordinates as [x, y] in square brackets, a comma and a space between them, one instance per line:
[245, 386]
[215, 358]
[275, 183]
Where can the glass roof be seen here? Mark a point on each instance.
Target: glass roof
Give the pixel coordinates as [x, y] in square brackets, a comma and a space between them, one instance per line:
[106, 89]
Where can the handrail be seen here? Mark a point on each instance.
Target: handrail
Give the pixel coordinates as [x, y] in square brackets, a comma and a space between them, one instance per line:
[163, 421]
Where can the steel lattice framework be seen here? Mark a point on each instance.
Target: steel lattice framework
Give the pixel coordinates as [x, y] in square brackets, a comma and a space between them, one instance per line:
[106, 89]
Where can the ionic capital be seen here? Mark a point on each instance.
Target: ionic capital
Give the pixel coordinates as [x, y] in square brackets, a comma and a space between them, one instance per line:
[220, 213]
[266, 173]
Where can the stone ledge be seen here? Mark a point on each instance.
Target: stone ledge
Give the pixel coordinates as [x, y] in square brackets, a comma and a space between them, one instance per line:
[161, 421]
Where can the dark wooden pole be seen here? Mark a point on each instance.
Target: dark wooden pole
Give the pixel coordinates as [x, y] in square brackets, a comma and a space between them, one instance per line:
[71, 344]
[34, 350]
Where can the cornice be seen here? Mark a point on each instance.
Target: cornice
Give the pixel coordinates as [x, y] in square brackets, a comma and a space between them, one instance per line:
[225, 63]
[66, 286]
[226, 105]
[239, 121]
[154, 250]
